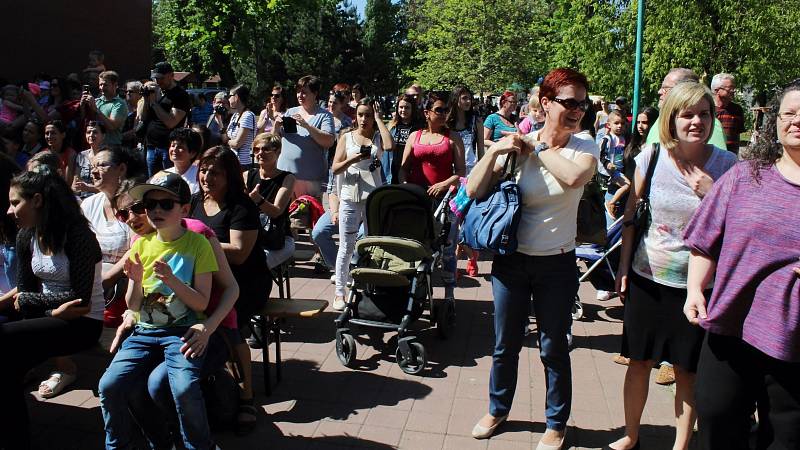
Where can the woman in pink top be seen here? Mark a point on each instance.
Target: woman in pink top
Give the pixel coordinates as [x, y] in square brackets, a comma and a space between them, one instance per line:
[434, 159]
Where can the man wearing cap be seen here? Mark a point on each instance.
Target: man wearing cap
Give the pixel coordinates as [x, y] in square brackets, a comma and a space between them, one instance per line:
[109, 108]
[162, 115]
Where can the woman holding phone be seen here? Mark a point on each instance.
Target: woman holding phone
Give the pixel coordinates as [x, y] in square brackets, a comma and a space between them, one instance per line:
[356, 164]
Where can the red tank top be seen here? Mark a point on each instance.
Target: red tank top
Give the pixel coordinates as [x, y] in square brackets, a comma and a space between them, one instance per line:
[430, 163]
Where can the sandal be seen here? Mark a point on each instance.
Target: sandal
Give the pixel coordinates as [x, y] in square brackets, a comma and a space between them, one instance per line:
[55, 384]
[246, 417]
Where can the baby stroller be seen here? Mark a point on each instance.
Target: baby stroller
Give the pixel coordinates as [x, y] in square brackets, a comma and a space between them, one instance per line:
[601, 262]
[391, 285]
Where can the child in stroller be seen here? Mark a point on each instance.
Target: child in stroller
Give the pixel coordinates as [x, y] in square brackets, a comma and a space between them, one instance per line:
[392, 273]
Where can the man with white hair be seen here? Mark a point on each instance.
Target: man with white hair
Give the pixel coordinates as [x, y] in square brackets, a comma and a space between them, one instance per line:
[730, 115]
[674, 76]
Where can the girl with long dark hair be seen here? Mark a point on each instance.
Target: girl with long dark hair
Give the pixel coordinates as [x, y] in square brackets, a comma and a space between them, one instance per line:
[59, 298]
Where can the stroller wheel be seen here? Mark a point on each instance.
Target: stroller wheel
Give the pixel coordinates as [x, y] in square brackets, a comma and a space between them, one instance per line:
[416, 360]
[346, 349]
[446, 318]
[577, 309]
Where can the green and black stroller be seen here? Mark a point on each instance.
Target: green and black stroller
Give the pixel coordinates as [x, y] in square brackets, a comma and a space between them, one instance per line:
[392, 272]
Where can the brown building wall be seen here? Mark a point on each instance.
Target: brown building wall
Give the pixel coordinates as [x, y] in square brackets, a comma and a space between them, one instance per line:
[55, 36]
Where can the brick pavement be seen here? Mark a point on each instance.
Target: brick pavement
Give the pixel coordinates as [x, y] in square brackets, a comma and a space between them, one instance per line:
[323, 405]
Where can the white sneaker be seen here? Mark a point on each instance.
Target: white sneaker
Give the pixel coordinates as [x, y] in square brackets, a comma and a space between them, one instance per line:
[338, 304]
[333, 279]
[603, 295]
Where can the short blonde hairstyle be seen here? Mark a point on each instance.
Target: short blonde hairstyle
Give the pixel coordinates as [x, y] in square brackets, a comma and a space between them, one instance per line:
[534, 103]
[684, 95]
[269, 140]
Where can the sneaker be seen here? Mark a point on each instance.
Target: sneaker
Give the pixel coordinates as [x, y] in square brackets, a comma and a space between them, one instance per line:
[666, 375]
[603, 295]
[333, 279]
[321, 268]
[338, 304]
[472, 265]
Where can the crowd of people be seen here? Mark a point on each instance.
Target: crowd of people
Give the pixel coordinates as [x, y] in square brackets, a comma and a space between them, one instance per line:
[166, 221]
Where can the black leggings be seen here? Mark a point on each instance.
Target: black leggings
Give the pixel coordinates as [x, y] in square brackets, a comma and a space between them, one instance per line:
[23, 345]
[732, 378]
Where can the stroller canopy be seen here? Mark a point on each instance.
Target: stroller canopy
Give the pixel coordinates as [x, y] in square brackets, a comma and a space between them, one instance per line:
[402, 210]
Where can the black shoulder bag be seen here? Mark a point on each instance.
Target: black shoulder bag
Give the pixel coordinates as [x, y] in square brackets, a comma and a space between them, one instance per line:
[642, 214]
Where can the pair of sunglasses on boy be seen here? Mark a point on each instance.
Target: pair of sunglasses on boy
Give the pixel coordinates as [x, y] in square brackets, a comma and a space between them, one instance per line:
[148, 204]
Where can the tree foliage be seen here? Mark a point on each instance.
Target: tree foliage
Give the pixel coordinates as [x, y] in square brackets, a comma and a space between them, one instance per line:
[488, 45]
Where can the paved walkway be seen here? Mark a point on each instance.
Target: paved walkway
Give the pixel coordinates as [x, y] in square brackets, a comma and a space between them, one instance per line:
[322, 405]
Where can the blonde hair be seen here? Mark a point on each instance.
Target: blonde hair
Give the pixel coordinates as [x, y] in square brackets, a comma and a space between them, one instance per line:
[270, 140]
[684, 95]
[533, 103]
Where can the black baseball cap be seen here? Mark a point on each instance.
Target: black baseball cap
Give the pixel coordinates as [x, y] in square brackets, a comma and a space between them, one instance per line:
[161, 69]
[164, 181]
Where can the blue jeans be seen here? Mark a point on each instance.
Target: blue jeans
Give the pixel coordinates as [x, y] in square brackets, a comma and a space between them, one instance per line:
[152, 406]
[140, 353]
[157, 160]
[553, 283]
[322, 234]
[8, 271]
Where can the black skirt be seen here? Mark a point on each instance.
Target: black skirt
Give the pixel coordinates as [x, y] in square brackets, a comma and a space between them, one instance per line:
[655, 327]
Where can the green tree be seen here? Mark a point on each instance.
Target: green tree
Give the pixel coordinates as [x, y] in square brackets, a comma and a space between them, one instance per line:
[485, 44]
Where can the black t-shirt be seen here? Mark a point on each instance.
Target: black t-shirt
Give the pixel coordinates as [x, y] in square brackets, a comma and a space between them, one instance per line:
[157, 131]
[239, 213]
[268, 189]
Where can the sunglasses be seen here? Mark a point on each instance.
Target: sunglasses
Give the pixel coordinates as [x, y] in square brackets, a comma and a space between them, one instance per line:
[124, 214]
[275, 95]
[165, 204]
[264, 149]
[440, 111]
[572, 104]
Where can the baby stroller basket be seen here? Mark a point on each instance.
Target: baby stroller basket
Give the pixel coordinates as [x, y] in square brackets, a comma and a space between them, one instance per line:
[388, 261]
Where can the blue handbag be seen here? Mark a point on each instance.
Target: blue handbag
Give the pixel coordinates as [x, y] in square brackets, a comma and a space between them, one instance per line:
[491, 223]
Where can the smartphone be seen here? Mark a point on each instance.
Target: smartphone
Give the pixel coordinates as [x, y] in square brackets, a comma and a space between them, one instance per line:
[366, 150]
[86, 89]
[289, 124]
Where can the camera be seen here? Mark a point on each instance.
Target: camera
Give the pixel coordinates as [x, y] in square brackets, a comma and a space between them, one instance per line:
[374, 164]
[365, 150]
[219, 109]
[86, 89]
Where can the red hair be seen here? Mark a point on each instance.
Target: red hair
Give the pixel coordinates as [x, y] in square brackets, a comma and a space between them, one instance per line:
[506, 96]
[561, 77]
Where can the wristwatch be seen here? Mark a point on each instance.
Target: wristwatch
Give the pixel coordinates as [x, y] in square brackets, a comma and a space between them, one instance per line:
[540, 147]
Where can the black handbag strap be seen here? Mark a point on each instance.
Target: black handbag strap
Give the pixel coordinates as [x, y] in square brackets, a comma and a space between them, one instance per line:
[506, 173]
[648, 179]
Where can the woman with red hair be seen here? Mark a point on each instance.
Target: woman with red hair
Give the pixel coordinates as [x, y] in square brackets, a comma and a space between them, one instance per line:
[553, 165]
[501, 123]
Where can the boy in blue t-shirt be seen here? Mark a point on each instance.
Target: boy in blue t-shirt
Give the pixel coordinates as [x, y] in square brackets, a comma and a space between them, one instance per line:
[170, 282]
